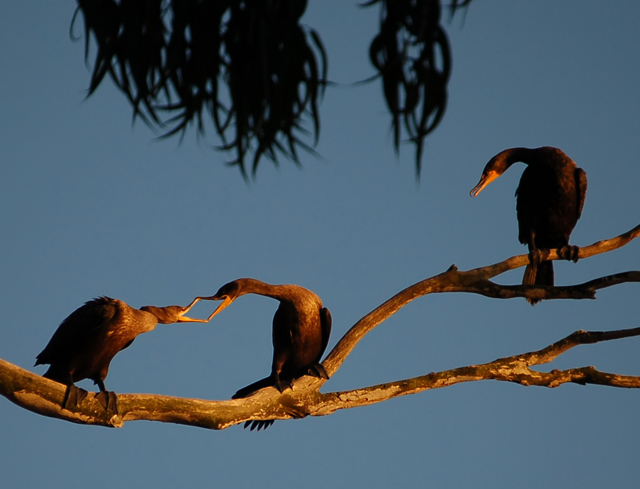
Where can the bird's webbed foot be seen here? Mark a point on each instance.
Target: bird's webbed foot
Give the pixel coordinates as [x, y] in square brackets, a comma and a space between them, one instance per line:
[73, 396]
[569, 252]
[282, 385]
[317, 370]
[108, 400]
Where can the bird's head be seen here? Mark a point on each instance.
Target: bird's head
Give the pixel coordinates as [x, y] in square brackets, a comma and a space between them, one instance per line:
[227, 294]
[496, 167]
[501, 162]
[488, 176]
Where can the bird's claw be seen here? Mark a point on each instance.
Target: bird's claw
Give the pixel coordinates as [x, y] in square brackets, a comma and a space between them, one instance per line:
[535, 257]
[569, 252]
[73, 396]
[108, 400]
[282, 385]
[318, 370]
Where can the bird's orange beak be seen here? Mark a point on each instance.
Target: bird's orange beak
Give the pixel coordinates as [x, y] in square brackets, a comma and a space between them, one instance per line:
[183, 310]
[227, 300]
[486, 179]
[185, 319]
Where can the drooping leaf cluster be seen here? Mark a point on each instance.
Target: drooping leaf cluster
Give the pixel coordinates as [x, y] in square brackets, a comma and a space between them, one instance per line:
[248, 66]
[254, 73]
[412, 56]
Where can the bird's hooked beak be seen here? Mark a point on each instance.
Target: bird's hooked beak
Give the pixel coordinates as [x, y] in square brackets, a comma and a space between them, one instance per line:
[486, 179]
[226, 300]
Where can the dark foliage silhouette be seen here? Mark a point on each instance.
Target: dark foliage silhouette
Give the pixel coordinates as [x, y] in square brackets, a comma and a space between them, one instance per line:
[253, 72]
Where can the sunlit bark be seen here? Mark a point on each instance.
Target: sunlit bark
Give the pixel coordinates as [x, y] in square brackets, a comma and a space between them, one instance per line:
[44, 396]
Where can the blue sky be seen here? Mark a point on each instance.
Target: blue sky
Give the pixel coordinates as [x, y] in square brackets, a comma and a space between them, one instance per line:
[91, 206]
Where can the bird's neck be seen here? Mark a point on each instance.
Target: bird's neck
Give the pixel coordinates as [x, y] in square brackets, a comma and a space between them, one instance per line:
[278, 292]
[146, 317]
[543, 156]
[162, 315]
[515, 155]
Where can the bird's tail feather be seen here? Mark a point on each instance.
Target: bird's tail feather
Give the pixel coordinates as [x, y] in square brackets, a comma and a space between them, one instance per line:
[545, 273]
[251, 388]
[54, 372]
[540, 274]
[530, 273]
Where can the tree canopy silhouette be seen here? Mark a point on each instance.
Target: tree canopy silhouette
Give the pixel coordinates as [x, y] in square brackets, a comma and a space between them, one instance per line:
[253, 71]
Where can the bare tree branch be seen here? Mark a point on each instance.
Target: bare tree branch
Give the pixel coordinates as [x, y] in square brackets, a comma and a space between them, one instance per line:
[510, 369]
[44, 396]
[476, 281]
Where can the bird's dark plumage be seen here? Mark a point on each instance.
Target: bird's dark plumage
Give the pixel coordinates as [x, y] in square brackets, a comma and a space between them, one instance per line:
[549, 202]
[301, 330]
[85, 343]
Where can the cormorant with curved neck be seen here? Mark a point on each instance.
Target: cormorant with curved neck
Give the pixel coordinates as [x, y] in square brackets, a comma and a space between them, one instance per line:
[301, 329]
[85, 343]
[549, 202]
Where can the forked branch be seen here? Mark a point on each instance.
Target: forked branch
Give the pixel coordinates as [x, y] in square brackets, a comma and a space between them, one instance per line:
[477, 281]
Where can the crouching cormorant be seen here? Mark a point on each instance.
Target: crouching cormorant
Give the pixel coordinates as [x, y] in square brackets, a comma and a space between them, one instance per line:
[301, 329]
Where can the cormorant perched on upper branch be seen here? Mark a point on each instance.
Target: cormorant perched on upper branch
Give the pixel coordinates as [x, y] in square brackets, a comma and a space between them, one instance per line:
[549, 202]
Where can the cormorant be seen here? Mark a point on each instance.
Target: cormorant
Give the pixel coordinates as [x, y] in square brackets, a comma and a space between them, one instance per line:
[85, 343]
[301, 329]
[549, 202]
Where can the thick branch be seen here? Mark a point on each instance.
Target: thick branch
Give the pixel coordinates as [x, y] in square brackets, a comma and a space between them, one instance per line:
[44, 396]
